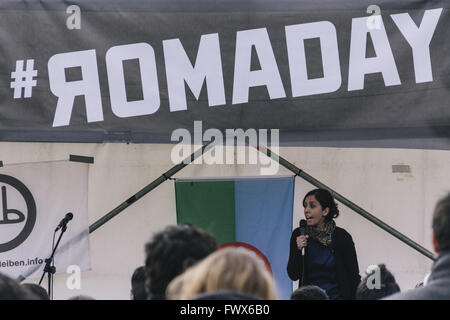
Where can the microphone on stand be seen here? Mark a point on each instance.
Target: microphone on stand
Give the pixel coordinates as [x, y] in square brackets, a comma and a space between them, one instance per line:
[302, 225]
[49, 269]
[64, 221]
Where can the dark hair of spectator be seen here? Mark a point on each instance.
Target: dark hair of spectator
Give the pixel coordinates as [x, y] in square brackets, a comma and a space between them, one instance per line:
[326, 200]
[170, 252]
[10, 289]
[81, 297]
[387, 287]
[36, 290]
[138, 284]
[309, 293]
[441, 223]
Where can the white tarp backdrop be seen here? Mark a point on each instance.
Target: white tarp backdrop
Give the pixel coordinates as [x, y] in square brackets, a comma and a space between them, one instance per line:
[404, 200]
[34, 197]
[325, 73]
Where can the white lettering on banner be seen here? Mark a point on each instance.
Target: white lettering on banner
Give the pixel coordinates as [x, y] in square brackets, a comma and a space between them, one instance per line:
[207, 68]
[244, 78]
[359, 65]
[208, 65]
[419, 39]
[295, 37]
[116, 80]
[89, 85]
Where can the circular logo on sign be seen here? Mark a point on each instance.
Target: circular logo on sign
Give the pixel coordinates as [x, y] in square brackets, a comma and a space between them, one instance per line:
[10, 215]
[252, 249]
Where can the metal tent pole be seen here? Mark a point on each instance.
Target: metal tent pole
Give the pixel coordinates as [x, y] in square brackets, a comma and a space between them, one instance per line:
[165, 176]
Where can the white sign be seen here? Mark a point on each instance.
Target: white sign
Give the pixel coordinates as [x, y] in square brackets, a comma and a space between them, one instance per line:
[34, 198]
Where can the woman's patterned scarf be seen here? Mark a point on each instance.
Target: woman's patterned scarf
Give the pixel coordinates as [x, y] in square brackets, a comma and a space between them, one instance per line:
[323, 235]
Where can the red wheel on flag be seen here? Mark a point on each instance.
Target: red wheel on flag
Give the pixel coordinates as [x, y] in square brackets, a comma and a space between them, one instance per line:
[256, 251]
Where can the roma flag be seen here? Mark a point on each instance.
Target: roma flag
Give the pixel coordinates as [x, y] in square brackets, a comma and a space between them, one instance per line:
[255, 213]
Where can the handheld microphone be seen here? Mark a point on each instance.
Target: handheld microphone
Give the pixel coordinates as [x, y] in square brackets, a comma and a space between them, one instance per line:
[302, 225]
[64, 221]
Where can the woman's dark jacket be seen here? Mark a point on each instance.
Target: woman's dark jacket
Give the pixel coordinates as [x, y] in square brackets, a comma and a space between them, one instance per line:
[343, 248]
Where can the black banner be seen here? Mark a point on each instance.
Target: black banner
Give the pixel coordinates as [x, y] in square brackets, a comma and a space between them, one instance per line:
[325, 73]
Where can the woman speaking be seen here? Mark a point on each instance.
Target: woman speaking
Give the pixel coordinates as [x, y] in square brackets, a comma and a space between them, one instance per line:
[329, 260]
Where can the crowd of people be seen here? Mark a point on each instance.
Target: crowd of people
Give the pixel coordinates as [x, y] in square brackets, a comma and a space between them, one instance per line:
[184, 262]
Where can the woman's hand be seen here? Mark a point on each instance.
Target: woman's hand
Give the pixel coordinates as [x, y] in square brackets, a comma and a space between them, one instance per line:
[302, 241]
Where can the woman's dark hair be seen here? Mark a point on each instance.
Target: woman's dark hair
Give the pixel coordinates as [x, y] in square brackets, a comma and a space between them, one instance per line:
[326, 200]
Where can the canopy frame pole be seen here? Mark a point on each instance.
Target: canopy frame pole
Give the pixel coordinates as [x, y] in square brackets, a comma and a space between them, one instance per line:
[165, 176]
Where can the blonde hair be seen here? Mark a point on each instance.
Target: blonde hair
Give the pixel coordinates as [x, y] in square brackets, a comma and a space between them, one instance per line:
[228, 269]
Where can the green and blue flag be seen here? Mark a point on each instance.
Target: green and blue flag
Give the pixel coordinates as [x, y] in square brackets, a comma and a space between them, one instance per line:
[253, 212]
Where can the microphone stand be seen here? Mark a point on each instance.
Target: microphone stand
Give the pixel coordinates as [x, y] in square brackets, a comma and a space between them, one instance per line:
[49, 269]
